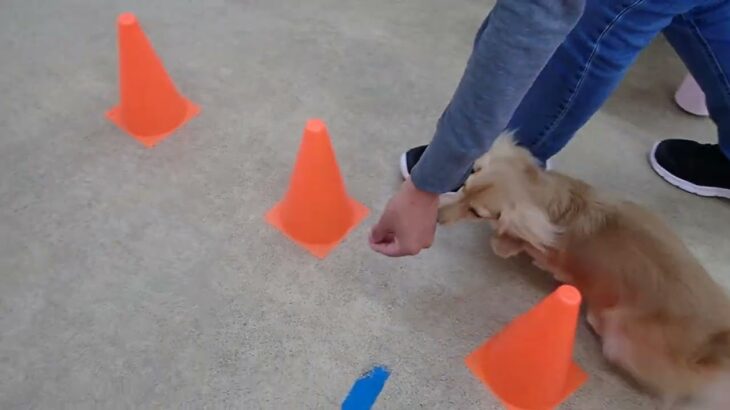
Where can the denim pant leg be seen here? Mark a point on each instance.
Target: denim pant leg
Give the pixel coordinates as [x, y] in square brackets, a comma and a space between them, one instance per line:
[586, 68]
[701, 37]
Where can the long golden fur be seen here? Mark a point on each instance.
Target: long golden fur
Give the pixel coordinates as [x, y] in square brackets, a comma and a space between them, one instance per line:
[661, 317]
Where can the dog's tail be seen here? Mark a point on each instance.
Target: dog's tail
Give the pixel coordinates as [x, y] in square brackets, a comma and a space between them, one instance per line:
[714, 353]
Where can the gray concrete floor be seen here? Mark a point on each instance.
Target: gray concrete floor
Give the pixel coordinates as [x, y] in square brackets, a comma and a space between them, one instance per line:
[134, 278]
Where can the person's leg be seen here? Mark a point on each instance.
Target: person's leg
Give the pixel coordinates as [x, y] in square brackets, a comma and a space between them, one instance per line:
[586, 68]
[701, 37]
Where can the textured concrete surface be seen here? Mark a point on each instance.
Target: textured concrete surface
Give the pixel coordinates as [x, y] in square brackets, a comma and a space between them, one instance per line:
[134, 278]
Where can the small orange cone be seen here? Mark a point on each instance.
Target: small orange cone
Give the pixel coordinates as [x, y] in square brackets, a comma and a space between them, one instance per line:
[150, 106]
[529, 365]
[316, 211]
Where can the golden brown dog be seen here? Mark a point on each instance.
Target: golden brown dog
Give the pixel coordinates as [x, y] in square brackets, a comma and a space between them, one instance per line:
[661, 317]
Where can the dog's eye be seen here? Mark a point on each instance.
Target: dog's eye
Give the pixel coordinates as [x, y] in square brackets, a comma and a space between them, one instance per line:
[474, 212]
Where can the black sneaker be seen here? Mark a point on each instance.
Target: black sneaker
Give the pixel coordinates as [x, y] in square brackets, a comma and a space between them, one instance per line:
[409, 159]
[701, 169]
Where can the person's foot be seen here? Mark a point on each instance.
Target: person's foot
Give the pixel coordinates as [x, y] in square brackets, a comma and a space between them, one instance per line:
[701, 169]
[410, 158]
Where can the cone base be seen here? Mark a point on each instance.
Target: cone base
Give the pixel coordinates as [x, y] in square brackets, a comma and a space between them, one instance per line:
[319, 250]
[149, 141]
[575, 378]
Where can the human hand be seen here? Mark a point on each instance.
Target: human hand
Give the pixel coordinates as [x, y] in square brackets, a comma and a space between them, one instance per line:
[408, 223]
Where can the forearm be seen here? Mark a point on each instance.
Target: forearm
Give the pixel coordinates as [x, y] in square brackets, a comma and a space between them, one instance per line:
[516, 43]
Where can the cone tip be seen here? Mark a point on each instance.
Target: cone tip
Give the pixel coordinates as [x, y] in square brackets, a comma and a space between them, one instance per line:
[315, 125]
[568, 295]
[127, 19]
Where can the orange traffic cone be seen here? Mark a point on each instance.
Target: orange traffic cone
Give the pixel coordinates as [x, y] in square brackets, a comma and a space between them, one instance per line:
[529, 364]
[150, 106]
[316, 211]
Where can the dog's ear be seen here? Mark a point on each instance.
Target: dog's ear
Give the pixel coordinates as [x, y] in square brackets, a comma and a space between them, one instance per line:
[481, 163]
[532, 171]
[577, 206]
[502, 147]
[529, 223]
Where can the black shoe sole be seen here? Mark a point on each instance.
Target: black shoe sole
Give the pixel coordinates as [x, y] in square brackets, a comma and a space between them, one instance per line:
[404, 166]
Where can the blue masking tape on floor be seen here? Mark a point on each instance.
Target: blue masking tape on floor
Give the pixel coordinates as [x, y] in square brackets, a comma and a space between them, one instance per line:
[366, 389]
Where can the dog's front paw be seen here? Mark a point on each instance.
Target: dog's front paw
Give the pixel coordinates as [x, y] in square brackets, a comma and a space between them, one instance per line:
[506, 246]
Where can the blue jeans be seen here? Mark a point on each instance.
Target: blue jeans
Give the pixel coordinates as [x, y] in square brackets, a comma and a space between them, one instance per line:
[593, 59]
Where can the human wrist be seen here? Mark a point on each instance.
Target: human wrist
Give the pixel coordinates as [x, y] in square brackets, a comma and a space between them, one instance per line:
[418, 194]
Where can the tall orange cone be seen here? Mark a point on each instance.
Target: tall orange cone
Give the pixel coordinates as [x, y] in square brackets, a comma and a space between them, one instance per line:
[150, 106]
[316, 212]
[529, 365]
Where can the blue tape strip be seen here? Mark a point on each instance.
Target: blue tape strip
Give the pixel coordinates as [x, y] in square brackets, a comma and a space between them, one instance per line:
[366, 389]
